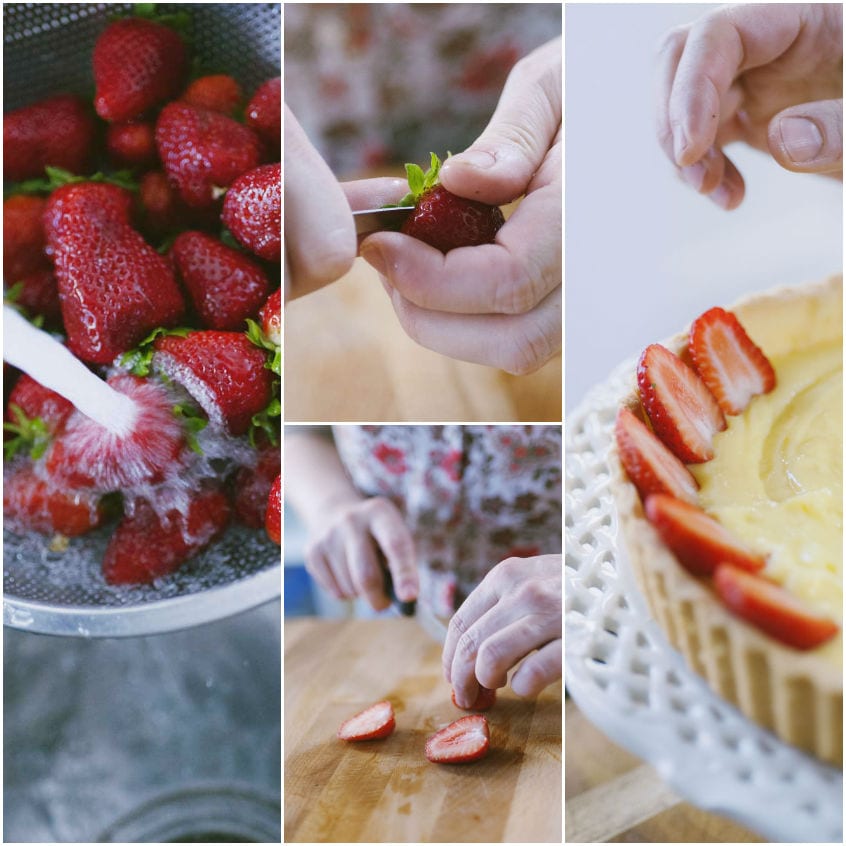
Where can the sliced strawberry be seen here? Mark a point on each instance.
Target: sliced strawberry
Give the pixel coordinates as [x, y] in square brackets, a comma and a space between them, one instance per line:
[772, 609]
[683, 412]
[728, 361]
[465, 740]
[697, 540]
[651, 467]
[372, 723]
[273, 515]
[485, 700]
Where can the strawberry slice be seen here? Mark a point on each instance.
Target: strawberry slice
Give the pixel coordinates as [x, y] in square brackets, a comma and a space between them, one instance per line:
[697, 540]
[485, 700]
[683, 412]
[372, 723]
[651, 467]
[465, 740]
[772, 609]
[728, 360]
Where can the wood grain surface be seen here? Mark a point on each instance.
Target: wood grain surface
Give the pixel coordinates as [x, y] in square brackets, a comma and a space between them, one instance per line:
[386, 791]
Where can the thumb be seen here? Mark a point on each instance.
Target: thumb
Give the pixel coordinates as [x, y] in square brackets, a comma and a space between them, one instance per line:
[499, 165]
[808, 138]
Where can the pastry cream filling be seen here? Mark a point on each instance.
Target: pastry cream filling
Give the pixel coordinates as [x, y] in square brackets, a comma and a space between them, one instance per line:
[776, 478]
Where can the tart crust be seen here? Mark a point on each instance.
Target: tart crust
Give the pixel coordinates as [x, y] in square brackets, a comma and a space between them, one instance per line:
[797, 695]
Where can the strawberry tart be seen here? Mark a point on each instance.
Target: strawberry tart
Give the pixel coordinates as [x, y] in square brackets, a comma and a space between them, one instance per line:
[727, 473]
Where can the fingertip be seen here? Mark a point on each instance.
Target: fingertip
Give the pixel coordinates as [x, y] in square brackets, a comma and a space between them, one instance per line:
[492, 174]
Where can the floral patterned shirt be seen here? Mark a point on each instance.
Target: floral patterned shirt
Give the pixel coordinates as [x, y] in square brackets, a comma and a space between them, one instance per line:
[471, 495]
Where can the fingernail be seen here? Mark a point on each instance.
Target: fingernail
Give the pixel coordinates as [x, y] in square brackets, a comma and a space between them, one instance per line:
[679, 143]
[721, 196]
[801, 138]
[373, 256]
[694, 175]
[476, 158]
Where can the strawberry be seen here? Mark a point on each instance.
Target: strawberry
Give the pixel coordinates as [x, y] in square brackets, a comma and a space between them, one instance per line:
[772, 609]
[372, 723]
[38, 295]
[35, 414]
[651, 467]
[138, 64]
[253, 485]
[727, 360]
[85, 455]
[219, 92]
[698, 541]
[113, 286]
[444, 220]
[252, 211]
[23, 237]
[132, 143]
[273, 516]
[465, 740]
[162, 209]
[225, 286]
[683, 412]
[485, 700]
[31, 503]
[203, 151]
[146, 546]
[270, 318]
[58, 131]
[264, 112]
[223, 371]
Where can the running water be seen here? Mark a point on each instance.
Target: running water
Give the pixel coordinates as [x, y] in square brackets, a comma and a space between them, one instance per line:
[54, 366]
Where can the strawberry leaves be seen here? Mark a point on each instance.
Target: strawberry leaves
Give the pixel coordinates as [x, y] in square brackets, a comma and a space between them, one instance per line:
[56, 177]
[30, 435]
[420, 182]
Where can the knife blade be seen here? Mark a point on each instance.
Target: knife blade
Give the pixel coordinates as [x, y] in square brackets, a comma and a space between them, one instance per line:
[380, 220]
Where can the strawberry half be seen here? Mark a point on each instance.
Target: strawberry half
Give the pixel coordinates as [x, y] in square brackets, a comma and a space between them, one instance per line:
[772, 609]
[683, 412]
[485, 700]
[465, 740]
[372, 723]
[273, 515]
[651, 467]
[698, 541]
[728, 361]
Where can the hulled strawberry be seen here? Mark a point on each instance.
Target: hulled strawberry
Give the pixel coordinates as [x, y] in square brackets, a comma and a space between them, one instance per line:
[264, 112]
[203, 151]
[273, 516]
[252, 211]
[218, 92]
[253, 485]
[146, 546]
[114, 287]
[444, 220]
[138, 64]
[132, 143]
[225, 285]
[223, 371]
[58, 131]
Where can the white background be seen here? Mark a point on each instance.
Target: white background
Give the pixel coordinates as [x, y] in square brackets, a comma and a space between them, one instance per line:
[644, 254]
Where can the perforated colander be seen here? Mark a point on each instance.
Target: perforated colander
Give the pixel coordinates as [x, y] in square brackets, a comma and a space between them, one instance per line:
[47, 49]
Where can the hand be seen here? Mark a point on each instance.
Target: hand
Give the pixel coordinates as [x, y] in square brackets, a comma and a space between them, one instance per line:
[345, 558]
[320, 242]
[768, 75]
[513, 615]
[498, 304]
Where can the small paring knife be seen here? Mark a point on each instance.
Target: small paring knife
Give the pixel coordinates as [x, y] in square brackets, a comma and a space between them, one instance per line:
[368, 221]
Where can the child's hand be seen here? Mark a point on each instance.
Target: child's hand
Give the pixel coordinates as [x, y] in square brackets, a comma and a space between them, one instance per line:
[514, 614]
[344, 558]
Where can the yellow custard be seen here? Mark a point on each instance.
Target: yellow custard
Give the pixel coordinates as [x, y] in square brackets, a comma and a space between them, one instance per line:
[776, 478]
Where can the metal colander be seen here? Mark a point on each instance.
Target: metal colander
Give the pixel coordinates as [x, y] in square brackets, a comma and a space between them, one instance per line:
[47, 49]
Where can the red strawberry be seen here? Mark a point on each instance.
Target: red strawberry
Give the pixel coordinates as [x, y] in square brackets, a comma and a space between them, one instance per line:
[467, 739]
[36, 401]
[31, 503]
[223, 371]
[372, 723]
[651, 467]
[485, 700]
[225, 286]
[252, 211]
[727, 360]
[138, 64]
[264, 112]
[444, 220]
[697, 540]
[114, 287]
[132, 143]
[683, 412]
[58, 131]
[772, 609]
[203, 151]
[23, 237]
[219, 92]
[38, 295]
[273, 516]
[162, 209]
[252, 487]
[86, 455]
[270, 318]
[146, 546]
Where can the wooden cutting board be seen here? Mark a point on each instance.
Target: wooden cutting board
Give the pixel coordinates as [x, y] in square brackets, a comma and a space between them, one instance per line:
[386, 791]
